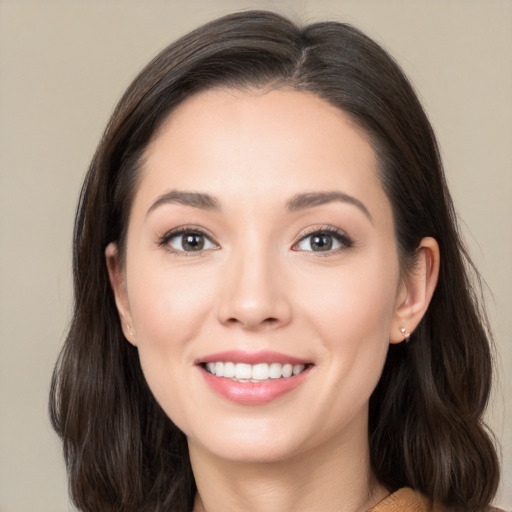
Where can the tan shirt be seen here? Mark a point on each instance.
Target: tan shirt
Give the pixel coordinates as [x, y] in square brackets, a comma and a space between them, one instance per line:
[411, 501]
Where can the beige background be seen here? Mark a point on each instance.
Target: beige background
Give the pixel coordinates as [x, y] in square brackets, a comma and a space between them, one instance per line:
[63, 65]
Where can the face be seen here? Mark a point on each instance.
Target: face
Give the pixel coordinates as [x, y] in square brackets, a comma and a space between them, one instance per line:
[261, 281]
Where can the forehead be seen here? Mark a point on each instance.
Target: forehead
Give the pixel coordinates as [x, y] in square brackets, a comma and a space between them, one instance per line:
[259, 144]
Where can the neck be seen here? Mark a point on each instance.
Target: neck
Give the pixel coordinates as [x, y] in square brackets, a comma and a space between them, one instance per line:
[333, 477]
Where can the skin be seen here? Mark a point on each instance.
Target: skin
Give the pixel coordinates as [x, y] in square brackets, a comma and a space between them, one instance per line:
[259, 284]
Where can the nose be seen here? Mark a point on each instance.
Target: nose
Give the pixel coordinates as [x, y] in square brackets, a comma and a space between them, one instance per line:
[254, 293]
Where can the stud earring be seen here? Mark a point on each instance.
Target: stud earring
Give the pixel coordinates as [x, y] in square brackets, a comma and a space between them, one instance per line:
[405, 334]
[130, 330]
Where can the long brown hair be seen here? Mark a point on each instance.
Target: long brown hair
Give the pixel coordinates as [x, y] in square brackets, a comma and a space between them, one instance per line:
[426, 431]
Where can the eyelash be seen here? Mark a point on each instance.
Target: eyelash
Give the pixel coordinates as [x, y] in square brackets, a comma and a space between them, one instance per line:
[341, 237]
[185, 230]
[345, 241]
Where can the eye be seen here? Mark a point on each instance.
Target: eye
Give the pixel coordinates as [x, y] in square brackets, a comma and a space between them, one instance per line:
[323, 240]
[188, 240]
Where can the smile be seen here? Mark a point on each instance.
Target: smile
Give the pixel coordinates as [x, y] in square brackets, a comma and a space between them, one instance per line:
[253, 378]
[243, 372]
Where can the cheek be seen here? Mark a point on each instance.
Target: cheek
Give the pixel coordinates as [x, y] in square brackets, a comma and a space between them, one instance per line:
[351, 323]
[168, 306]
[353, 303]
[169, 310]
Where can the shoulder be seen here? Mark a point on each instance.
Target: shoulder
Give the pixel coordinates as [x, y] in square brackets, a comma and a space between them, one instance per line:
[409, 500]
[405, 499]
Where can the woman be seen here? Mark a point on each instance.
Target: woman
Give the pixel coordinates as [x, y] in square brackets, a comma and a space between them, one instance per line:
[272, 305]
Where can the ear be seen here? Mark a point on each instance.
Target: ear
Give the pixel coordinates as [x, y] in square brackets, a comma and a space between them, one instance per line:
[417, 290]
[118, 283]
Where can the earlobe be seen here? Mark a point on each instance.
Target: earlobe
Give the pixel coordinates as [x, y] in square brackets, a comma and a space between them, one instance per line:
[118, 283]
[418, 289]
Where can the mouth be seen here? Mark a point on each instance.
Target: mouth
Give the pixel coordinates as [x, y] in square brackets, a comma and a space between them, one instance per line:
[253, 378]
[261, 372]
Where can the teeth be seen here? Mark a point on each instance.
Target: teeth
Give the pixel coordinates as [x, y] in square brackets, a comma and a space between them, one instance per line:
[275, 371]
[260, 371]
[229, 370]
[242, 371]
[255, 372]
[287, 370]
[298, 368]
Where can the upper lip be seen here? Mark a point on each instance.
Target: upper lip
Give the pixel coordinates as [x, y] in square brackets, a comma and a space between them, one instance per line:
[239, 356]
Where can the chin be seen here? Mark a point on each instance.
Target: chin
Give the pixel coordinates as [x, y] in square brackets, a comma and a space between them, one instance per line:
[258, 442]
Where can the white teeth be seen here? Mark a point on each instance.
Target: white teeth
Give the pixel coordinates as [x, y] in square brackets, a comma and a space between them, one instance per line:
[260, 371]
[298, 368]
[229, 370]
[287, 370]
[243, 371]
[275, 371]
[256, 372]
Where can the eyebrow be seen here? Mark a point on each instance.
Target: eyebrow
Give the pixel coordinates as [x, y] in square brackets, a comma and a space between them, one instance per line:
[296, 203]
[309, 200]
[194, 199]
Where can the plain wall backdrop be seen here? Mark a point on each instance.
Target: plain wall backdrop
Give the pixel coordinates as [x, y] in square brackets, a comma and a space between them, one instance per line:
[64, 65]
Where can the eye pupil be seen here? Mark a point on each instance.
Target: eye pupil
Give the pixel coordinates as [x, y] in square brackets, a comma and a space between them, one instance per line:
[321, 242]
[193, 242]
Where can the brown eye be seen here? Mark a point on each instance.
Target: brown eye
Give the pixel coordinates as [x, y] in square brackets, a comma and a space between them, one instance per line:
[323, 241]
[190, 242]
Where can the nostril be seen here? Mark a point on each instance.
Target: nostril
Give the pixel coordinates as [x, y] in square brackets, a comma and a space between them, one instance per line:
[265, 321]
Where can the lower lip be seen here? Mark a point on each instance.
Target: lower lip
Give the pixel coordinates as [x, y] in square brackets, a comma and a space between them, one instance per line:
[253, 393]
